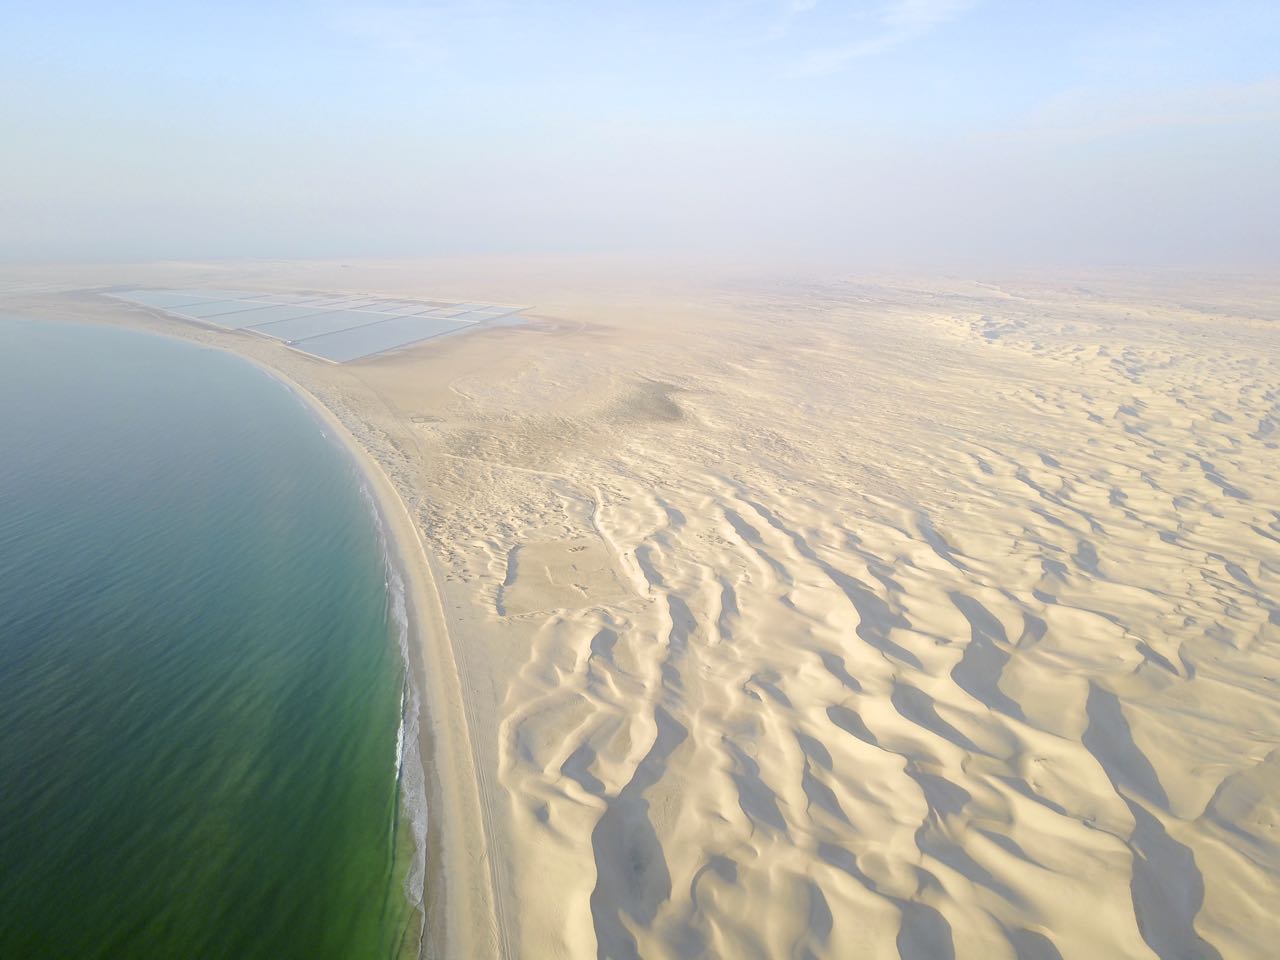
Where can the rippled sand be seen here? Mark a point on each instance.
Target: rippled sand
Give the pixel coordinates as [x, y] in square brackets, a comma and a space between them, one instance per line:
[852, 619]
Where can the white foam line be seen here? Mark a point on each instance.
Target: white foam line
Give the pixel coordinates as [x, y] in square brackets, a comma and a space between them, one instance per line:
[410, 773]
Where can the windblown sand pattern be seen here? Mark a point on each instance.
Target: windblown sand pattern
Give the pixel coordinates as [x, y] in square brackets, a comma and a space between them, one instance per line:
[851, 620]
[886, 625]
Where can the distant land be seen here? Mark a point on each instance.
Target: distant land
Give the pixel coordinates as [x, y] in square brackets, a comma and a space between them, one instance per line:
[812, 616]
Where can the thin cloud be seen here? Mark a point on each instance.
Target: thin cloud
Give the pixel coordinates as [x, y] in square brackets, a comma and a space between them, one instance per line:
[1101, 113]
[417, 33]
[407, 32]
[898, 22]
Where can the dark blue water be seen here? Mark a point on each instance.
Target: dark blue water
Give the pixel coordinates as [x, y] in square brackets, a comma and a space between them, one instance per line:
[200, 676]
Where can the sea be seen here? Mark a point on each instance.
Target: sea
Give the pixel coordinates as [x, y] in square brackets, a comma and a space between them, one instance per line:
[202, 680]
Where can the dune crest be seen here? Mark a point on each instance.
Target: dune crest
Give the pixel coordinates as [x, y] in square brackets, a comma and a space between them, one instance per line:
[855, 619]
[950, 628]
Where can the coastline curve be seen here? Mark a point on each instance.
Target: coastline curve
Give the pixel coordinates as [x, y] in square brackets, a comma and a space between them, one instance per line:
[458, 906]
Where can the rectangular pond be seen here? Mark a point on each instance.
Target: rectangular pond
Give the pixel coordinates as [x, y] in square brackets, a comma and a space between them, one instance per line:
[318, 324]
[357, 342]
[337, 327]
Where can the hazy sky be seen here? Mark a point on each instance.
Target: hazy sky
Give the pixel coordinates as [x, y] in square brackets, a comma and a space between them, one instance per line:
[912, 131]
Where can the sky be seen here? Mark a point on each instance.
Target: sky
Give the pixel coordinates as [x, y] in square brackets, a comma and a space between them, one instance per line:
[870, 133]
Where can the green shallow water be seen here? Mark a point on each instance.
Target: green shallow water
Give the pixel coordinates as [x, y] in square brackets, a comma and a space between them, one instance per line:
[200, 673]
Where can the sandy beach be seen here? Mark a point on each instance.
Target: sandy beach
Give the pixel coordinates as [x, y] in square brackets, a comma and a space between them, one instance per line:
[820, 618]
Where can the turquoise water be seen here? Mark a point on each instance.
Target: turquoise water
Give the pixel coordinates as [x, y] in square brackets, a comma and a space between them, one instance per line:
[200, 677]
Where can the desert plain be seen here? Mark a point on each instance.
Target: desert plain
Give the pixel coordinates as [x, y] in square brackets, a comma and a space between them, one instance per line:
[860, 616]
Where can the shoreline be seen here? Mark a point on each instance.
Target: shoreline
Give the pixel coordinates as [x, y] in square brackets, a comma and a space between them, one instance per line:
[456, 916]
[409, 764]
[458, 908]
[742, 670]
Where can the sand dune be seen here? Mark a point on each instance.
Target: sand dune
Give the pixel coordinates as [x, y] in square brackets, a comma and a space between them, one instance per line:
[948, 631]
[851, 619]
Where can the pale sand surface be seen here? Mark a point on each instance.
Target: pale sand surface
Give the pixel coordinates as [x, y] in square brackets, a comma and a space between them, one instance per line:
[853, 618]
